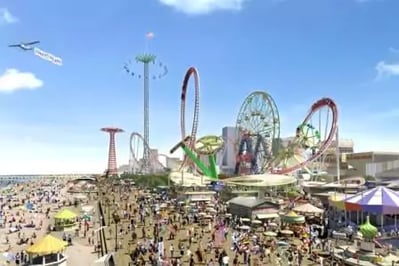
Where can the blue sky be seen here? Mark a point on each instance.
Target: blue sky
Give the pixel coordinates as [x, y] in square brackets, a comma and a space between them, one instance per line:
[296, 50]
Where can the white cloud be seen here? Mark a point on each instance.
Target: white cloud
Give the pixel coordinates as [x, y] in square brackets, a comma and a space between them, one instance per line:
[12, 80]
[197, 7]
[386, 70]
[6, 17]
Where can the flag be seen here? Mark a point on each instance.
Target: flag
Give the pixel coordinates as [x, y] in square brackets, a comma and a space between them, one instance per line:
[47, 56]
[149, 35]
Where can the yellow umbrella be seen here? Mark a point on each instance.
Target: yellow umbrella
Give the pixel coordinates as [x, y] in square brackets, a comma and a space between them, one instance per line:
[291, 214]
[65, 214]
[270, 234]
[47, 245]
[337, 200]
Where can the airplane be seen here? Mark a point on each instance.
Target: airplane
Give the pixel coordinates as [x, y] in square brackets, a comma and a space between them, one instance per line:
[26, 46]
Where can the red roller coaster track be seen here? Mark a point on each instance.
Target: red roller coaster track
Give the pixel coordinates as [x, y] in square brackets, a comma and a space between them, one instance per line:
[324, 102]
[192, 71]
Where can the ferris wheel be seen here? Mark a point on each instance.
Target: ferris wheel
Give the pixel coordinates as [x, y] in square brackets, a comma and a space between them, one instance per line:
[312, 139]
[258, 126]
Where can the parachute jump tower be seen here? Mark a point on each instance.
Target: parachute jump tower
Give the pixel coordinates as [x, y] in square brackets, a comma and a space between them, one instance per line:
[112, 169]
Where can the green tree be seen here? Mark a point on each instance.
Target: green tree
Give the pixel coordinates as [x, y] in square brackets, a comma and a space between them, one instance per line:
[148, 181]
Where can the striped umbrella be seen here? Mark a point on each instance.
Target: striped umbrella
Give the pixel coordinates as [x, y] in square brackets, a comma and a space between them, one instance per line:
[379, 200]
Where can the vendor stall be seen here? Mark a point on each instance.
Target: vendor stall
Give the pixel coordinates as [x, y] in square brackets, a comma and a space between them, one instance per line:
[47, 251]
[64, 219]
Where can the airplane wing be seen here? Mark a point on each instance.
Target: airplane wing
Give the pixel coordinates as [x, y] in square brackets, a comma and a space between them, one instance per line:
[32, 43]
[14, 45]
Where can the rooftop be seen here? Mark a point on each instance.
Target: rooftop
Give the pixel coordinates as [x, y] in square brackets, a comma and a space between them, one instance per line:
[374, 153]
[249, 202]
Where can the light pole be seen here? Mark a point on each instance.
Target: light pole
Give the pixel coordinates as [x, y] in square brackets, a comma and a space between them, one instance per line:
[338, 156]
[107, 202]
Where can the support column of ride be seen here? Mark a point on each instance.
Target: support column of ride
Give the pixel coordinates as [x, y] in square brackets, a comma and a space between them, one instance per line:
[112, 169]
[146, 112]
[146, 59]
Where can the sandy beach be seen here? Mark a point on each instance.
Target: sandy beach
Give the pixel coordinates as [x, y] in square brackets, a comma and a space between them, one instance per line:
[28, 211]
[146, 227]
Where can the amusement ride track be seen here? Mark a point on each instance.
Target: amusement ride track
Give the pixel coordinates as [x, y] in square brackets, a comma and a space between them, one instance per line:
[191, 72]
[325, 144]
[155, 166]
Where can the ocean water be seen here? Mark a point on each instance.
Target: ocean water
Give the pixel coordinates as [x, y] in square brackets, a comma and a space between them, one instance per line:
[4, 182]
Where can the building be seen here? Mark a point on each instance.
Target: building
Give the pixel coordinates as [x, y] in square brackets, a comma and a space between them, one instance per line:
[230, 136]
[154, 154]
[384, 171]
[345, 146]
[370, 163]
[195, 196]
[249, 207]
[173, 163]
[124, 168]
[388, 175]
[328, 161]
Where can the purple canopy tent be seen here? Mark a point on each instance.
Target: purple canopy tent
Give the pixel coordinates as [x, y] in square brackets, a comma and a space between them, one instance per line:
[379, 200]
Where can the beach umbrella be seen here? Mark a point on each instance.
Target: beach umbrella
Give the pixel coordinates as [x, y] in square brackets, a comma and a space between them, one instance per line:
[337, 200]
[282, 244]
[245, 227]
[86, 217]
[308, 209]
[287, 232]
[292, 218]
[379, 200]
[270, 234]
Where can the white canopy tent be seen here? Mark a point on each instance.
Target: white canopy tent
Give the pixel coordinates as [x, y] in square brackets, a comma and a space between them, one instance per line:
[308, 209]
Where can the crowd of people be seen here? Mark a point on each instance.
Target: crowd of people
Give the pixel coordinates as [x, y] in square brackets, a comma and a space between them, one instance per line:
[165, 230]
